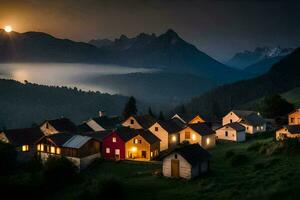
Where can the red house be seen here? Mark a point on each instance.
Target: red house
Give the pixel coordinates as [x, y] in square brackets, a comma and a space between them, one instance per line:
[113, 145]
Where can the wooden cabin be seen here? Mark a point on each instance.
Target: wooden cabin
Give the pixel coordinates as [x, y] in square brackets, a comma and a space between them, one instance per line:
[23, 140]
[186, 162]
[139, 122]
[61, 125]
[232, 132]
[251, 120]
[289, 131]
[189, 119]
[168, 132]
[80, 150]
[198, 133]
[294, 117]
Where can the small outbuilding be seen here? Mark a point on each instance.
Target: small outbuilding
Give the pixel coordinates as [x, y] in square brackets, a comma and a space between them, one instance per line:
[232, 131]
[186, 162]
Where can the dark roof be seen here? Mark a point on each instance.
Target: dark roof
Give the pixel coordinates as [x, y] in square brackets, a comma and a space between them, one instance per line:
[293, 129]
[188, 117]
[126, 133]
[63, 125]
[201, 128]
[235, 125]
[82, 128]
[297, 110]
[149, 137]
[192, 153]
[243, 113]
[60, 138]
[250, 117]
[107, 123]
[145, 120]
[18, 137]
[171, 125]
[98, 135]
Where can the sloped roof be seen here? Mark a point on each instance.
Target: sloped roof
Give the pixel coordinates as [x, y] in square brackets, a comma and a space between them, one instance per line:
[293, 129]
[60, 138]
[235, 125]
[107, 123]
[192, 153]
[171, 125]
[145, 120]
[63, 125]
[201, 128]
[76, 142]
[254, 119]
[82, 128]
[297, 110]
[149, 137]
[126, 133]
[243, 113]
[187, 117]
[98, 135]
[18, 137]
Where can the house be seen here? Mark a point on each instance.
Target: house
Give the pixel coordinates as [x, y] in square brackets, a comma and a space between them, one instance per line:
[251, 120]
[80, 150]
[294, 117]
[232, 131]
[198, 133]
[288, 131]
[139, 122]
[189, 119]
[168, 132]
[60, 125]
[102, 123]
[126, 143]
[23, 140]
[186, 162]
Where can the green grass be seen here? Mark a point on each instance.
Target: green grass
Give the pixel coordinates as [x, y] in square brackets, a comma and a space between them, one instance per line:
[293, 96]
[257, 177]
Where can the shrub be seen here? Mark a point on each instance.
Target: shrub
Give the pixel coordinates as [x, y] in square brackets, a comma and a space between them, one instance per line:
[58, 171]
[108, 188]
[238, 160]
[229, 153]
[8, 158]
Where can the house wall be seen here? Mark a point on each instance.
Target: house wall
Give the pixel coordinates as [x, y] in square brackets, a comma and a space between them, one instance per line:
[185, 169]
[233, 135]
[229, 118]
[255, 129]
[48, 129]
[208, 141]
[162, 134]
[173, 140]
[135, 124]
[194, 136]
[294, 118]
[108, 143]
[155, 149]
[283, 132]
[90, 148]
[134, 151]
[3, 138]
[94, 125]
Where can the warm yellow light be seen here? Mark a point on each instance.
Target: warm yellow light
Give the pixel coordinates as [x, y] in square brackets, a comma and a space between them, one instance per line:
[8, 29]
[52, 149]
[133, 149]
[193, 137]
[207, 141]
[58, 151]
[25, 148]
[42, 147]
[174, 138]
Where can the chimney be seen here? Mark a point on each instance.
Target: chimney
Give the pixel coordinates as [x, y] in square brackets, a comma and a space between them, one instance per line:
[101, 113]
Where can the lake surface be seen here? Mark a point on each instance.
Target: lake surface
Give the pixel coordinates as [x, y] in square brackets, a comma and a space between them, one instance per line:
[61, 74]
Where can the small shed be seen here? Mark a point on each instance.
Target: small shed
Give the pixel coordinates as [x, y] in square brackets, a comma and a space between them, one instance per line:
[186, 162]
[232, 131]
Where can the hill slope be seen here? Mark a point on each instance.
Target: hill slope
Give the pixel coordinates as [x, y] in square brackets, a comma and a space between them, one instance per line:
[282, 77]
[262, 66]
[25, 104]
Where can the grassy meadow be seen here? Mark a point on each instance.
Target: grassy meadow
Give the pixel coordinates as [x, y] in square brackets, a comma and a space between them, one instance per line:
[256, 169]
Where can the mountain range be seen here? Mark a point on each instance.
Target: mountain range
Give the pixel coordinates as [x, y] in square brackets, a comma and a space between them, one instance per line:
[246, 59]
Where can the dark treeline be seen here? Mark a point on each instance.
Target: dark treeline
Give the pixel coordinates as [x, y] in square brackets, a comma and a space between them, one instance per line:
[22, 105]
[282, 77]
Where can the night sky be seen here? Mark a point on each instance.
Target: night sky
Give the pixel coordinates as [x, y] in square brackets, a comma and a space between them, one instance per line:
[218, 27]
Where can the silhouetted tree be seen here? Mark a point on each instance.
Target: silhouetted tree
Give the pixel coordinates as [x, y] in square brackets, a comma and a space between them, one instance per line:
[161, 116]
[181, 110]
[130, 108]
[150, 112]
[274, 106]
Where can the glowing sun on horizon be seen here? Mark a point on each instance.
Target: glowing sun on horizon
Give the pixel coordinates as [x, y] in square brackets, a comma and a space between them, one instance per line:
[8, 28]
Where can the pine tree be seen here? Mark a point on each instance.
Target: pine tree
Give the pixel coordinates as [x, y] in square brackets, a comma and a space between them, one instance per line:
[161, 116]
[130, 108]
[150, 112]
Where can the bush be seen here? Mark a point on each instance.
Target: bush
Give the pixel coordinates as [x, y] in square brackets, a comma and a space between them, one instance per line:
[238, 160]
[8, 158]
[229, 153]
[58, 171]
[108, 189]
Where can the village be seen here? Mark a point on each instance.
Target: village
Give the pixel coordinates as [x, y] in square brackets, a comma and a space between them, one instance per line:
[181, 144]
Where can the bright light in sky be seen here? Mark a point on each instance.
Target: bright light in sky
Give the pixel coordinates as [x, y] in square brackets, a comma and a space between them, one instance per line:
[8, 29]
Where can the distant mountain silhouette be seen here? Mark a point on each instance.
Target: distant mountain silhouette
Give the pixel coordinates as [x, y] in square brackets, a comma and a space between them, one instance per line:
[247, 58]
[282, 77]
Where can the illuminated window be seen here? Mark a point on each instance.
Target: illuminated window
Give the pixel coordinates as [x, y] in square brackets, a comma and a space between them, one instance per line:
[135, 141]
[187, 135]
[207, 141]
[151, 154]
[117, 152]
[25, 148]
[107, 150]
[52, 149]
[193, 137]
[257, 128]
[133, 149]
[58, 151]
[39, 147]
[42, 147]
[156, 128]
[114, 139]
[262, 128]
[174, 138]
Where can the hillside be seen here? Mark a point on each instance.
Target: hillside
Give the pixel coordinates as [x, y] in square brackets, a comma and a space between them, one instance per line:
[282, 77]
[262, 66]
[293, 96]
[25, 104]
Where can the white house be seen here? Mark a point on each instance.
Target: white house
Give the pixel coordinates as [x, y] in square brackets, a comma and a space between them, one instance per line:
[186, 162]
[251, 120]
[232, 131]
